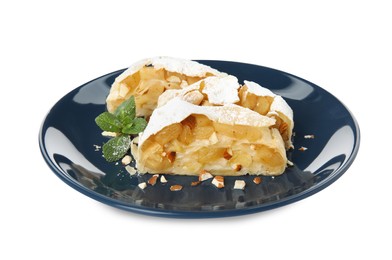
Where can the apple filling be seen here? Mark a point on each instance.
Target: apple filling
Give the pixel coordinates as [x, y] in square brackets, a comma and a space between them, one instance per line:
[198, 143]
[263, 105]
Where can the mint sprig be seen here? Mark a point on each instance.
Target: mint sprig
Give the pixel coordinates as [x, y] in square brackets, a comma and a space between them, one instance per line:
[109, 122]
[123, 122]
[116, 148]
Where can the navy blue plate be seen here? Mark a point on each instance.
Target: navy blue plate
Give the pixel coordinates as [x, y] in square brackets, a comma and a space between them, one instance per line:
[68, 137]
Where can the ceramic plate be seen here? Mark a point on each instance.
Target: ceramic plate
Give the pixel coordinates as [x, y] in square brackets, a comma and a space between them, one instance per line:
[69, 134]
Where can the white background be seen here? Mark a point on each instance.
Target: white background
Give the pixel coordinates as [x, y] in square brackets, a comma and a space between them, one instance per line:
[49, 48]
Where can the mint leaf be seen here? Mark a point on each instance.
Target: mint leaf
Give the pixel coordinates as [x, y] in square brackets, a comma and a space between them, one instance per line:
[116, 148]
[126, 112]
[136, 126]
[108, 122]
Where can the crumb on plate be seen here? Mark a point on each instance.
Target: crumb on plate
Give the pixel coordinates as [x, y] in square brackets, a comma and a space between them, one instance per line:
[176, 187]
[153, 180]
[239, 185]
[219, 182]
[302, 148]
[130, 170]
[195, 183]
[204, 175]
[142, 185]
[163, 179]
[109, 134]
[257, 180]
[126, 160]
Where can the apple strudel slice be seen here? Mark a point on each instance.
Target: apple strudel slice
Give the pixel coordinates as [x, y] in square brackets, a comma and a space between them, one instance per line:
[183, 138]
[147, 79]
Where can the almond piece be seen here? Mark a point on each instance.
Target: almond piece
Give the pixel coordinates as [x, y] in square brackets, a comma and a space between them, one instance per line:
[142, 185]
[257, 180]
[195, 183]
[302, 148]
[130, 170]
[239, 184]
[176, 187]
[153, 180]
[109, 134]
[126, 160]
[163, 179]
[219, 182]
[204, 175]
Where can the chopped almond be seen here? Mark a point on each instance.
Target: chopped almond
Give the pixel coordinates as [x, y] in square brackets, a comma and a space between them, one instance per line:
[257, 180]
[290, 163]
[126, 160]
[163, 179]
[239, 184]
[219, 182]
[109, 134]
[302, 148]
[195, 183]
[130, 170]
[142, 185]
[153, 180]
[204, 175]
[309, 136]
[176, 187]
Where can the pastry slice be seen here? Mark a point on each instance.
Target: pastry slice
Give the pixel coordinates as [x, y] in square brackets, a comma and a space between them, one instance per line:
[147, 79]
[183, 138]
[220, 90]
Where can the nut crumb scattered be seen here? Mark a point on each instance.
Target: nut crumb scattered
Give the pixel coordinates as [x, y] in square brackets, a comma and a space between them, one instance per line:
[239, 185]
[153, 180]
[204, 175]
[97, 147]
[109, 134]
[195, 183]
[218, 181]
[302, 148]
[142, 185]
[290, 163]
[126, 160]
[257, 180]
[176, 187]
[130, 170]
[163, 179]
[309, 136]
